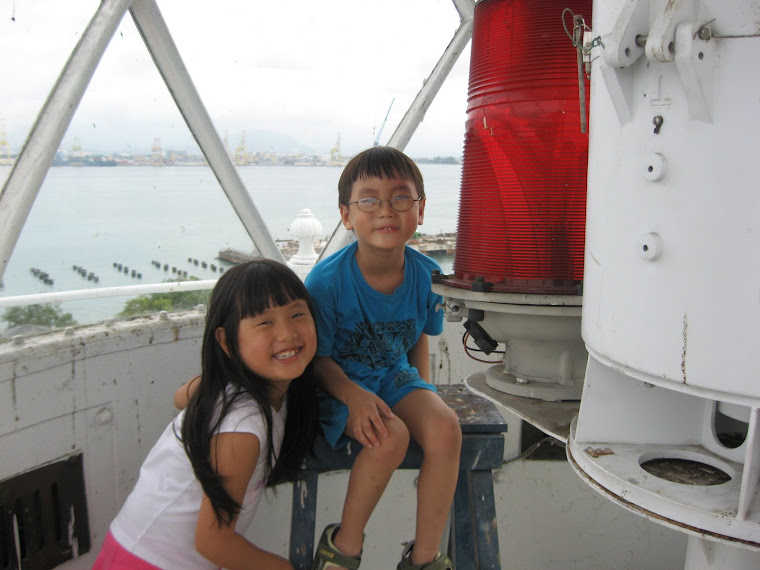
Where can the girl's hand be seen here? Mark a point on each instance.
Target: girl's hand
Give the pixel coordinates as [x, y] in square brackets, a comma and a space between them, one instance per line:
[185, 392]
[365, 418]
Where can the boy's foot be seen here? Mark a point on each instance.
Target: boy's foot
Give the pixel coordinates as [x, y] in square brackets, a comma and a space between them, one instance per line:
[328, 556]
[441, 562]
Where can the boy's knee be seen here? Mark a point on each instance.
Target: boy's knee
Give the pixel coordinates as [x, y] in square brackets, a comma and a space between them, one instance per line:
[445, 435]
[395, 446]
[452, 427]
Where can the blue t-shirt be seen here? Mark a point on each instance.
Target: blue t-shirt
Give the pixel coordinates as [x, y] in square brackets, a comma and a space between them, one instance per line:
[366, 332]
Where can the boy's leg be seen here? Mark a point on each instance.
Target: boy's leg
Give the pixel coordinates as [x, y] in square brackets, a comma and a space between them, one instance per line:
[370, 474]
[435, 427]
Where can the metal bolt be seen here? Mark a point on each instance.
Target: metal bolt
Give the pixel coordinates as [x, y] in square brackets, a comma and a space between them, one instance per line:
[657, 121]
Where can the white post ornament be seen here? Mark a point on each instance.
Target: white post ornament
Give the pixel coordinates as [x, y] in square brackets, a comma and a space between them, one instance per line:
[305, 228]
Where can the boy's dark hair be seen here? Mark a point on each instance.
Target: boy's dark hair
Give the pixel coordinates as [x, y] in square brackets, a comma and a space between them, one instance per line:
[379, 162]
[243, 291]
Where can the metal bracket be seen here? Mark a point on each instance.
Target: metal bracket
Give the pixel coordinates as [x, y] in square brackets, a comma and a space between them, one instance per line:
[621, 50]
[695, 61]
[620, 87]
[620, 47]
[661, 43]
[673, 37]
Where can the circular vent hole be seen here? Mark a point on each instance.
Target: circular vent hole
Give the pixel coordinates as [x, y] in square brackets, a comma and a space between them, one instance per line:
[685, 471]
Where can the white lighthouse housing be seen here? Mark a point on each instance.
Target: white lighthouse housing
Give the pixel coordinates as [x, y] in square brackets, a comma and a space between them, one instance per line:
[669, 423]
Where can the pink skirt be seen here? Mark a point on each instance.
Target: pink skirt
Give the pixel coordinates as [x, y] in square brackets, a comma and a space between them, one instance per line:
[113, 556]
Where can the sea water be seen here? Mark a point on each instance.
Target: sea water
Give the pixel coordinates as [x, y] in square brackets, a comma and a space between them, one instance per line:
[95, 217]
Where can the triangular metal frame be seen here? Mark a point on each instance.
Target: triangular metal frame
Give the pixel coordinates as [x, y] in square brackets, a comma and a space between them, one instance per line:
[36, 156]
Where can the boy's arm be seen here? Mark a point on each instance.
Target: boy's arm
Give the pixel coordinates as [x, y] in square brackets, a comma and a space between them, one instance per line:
[419, 357]
[184, 393]
[365, 409]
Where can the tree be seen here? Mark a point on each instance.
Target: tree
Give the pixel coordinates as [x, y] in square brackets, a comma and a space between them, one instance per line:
[50, 315]
[157, 302]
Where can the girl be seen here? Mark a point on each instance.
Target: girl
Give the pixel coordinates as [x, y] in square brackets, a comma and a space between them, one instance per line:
[249, 421]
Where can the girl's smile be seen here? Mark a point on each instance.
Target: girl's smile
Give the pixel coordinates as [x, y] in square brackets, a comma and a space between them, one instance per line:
[287, 354]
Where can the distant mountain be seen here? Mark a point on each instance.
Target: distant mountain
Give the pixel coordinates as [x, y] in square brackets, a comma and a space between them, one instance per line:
[255, 141]
[270, 141]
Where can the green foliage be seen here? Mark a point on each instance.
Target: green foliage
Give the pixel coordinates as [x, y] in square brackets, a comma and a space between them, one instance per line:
[157, 302]
[50, 315]
[437, 160]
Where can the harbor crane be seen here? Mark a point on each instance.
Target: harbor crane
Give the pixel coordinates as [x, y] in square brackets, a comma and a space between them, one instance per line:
[156, 152]
[5, 147]
[241, 152]
[380, 130]
[335, 153]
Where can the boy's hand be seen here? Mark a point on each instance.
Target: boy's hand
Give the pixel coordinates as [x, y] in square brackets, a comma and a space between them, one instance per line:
[365, 418]
[365, 410]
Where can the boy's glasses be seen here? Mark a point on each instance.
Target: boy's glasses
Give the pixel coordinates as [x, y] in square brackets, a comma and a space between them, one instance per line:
[398, 203]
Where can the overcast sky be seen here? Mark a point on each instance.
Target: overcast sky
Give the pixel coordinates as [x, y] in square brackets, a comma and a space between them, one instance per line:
[303, 68]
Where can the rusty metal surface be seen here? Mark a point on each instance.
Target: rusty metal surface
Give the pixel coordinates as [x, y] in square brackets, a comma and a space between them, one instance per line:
[685, 471]
[476, 414]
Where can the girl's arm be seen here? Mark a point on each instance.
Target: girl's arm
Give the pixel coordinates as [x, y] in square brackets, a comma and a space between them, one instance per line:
[234, 457]
[184, 392]
[419, 357]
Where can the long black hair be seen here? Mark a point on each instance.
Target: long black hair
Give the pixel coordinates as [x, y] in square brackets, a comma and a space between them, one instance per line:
[244, 291]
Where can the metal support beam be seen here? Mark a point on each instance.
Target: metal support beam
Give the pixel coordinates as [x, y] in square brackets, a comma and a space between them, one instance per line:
[416, 112]
[37, 154]
[152, 27]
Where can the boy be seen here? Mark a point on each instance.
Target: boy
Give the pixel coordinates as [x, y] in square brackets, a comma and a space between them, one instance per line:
[375, 310]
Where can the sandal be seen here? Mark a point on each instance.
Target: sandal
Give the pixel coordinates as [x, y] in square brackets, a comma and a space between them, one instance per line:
[328, 555]
[441, 562]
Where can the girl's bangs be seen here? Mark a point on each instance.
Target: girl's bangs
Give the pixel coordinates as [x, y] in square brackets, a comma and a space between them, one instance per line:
[271, 289]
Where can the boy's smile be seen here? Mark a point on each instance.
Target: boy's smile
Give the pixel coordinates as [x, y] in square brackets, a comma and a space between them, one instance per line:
[385, 228]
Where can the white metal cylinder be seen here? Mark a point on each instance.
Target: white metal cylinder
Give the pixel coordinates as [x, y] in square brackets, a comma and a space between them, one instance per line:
[672, 279]
[671, 308]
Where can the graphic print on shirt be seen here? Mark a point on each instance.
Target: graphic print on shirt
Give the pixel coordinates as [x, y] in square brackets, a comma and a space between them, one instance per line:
[403, 377]
[377, 345]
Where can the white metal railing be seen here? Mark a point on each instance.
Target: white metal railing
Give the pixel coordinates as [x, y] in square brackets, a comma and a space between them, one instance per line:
[106, 292]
